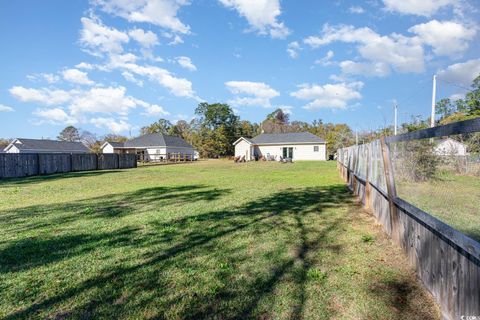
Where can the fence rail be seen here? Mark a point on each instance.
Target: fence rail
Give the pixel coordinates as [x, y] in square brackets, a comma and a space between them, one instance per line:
[446, 261]
[15, 165]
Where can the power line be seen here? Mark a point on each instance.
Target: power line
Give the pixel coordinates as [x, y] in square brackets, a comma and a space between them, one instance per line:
[415, 93]
[455, 85]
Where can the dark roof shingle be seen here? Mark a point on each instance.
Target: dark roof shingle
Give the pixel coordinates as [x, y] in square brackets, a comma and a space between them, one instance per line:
[116, 144]
[294, 137]
[35, 145]
[157, 140]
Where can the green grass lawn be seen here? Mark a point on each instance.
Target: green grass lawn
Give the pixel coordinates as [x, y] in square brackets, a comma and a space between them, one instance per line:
[452, 198]
[205, 240]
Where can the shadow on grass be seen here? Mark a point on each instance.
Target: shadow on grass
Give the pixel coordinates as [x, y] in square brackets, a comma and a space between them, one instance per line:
[51, 177]
[106, 206]
[236, 263]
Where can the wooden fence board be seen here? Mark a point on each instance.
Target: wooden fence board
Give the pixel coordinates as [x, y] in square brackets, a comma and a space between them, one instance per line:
[461, 127]
[16, 165]
[107, 161]
[127, 161]
[84, 162]
[54, 163]
[446, 261]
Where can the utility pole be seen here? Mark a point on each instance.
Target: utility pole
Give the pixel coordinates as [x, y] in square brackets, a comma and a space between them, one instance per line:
[434, 93]
[395, 122]
[356, 138]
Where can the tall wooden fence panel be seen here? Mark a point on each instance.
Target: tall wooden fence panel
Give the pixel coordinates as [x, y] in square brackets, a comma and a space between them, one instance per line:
[15, 165]
[107, 161]
[49, 163]
[446, 261]
[126, 161]
[84, 162]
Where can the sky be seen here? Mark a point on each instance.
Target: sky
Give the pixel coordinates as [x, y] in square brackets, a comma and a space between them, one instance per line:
[113, 66]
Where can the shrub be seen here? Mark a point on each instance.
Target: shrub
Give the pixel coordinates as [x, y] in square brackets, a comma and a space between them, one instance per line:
[416, 160]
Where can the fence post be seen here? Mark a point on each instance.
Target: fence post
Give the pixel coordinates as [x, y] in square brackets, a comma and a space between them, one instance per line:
[391, 190]
[367, 177]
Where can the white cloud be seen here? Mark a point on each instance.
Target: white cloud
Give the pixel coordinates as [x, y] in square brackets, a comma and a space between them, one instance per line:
[155, 110]
[404, 54]
[326, 61]
[108, 100]
[342, 33]
[84, 65]
[186, 62]
[377, 69]
[286, 109]
[146, 39]
[115, 126]
[162, 13]
[447, 38]
[98, 38]
[48, 77]
[456, 96]
[102, 100]
[178, 86]
[461, 73]
[130, 77]
[77, 76]
[77, 105]
[293, 48]
[4, 108]
[356, 10]
[261, 16]
[44, 96]
[257, 93]
[176, 40]
[54, 116]
[332, 96]
[416, 7]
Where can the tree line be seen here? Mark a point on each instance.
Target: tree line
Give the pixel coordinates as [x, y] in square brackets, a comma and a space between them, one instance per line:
[215, 127]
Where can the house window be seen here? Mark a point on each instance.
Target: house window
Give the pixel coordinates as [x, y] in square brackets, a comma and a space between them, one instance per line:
[287, 153]
[315, 148]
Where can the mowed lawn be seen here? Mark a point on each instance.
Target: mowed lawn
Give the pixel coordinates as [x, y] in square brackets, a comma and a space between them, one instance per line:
[453, 199]
[206, 240]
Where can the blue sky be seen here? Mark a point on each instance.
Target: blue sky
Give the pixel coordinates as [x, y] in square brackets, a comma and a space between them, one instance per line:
[116, 65]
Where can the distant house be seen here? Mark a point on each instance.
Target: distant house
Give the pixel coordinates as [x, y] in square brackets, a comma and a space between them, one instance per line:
[153, 147]
[296, 146]
[450, 147]
[21, 145]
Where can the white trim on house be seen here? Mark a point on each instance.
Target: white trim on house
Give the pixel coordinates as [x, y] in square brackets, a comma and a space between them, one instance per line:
[283, 143]
[301, 150]
[104, 144]
[10, 145]
[240, 139]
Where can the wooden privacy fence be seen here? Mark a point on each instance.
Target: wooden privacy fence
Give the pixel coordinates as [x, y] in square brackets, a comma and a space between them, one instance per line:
[446, 261]
[15, 165]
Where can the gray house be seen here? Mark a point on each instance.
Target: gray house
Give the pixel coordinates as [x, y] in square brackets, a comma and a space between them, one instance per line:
[153, 147]
[21, 145]
[296, 146]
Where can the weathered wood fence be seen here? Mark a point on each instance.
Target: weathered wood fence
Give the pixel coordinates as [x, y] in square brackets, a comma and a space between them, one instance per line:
[446, 261]
[15, 165]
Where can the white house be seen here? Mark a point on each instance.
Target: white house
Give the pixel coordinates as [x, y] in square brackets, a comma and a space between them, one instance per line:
[153, 147]
[450, 147]
[22, 145]
[296, 146]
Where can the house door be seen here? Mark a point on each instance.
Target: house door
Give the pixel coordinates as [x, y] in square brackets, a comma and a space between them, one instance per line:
[288, 153]
[141, 155]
